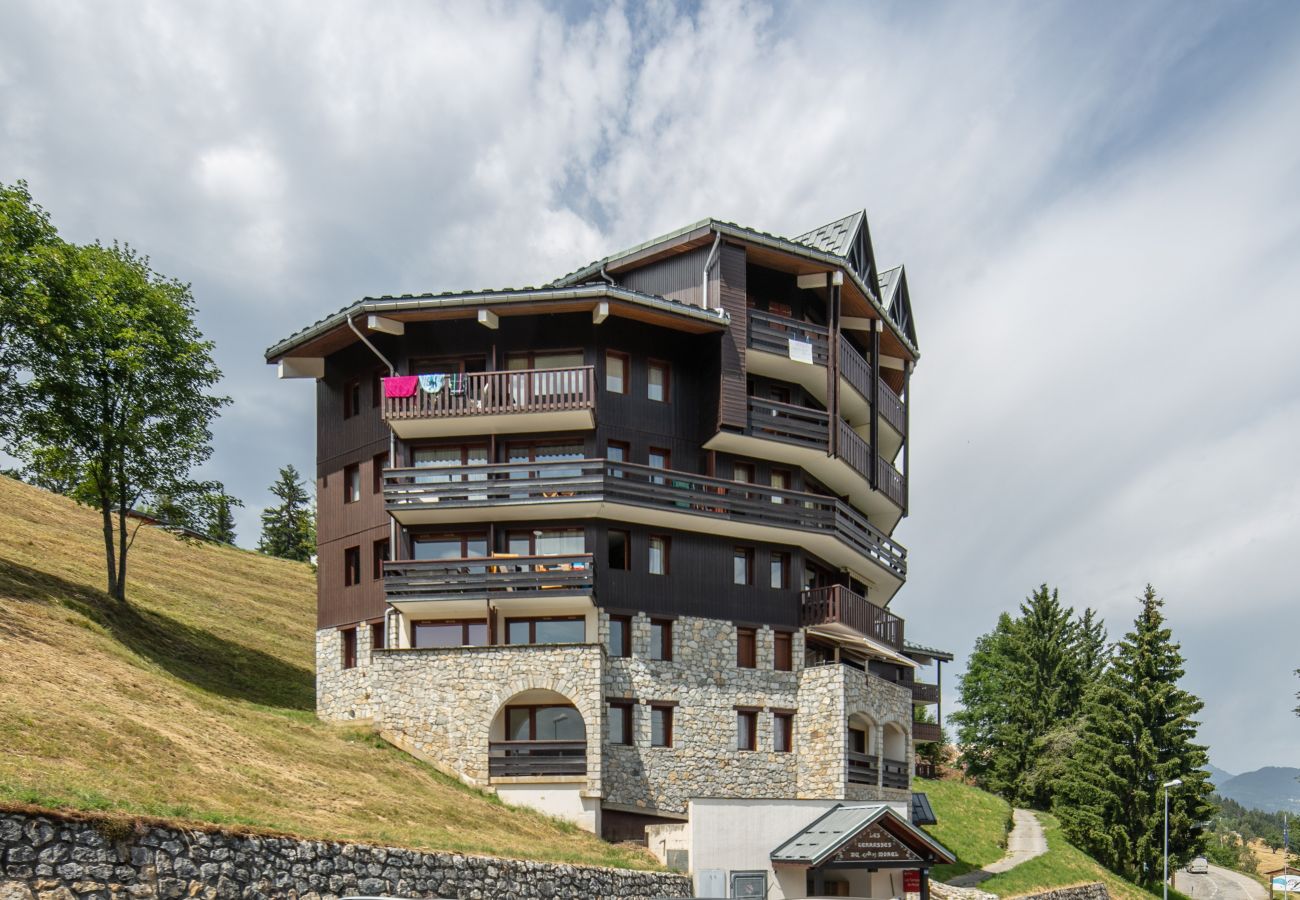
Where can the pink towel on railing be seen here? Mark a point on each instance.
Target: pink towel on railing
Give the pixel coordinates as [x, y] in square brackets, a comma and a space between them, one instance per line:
[401, 385]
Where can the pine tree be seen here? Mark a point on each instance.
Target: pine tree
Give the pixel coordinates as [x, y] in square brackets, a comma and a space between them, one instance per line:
[218, 515]
[1138, 734]
[289, 528]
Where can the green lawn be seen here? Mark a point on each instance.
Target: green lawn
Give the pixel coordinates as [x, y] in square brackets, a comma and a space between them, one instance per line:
[973, 824]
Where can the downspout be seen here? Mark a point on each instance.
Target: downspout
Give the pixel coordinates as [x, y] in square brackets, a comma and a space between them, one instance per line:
[392, 459]
[605, 275]
[708, 264]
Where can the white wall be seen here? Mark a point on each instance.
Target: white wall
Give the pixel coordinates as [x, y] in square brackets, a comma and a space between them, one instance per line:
[562, 800]
[740, 835]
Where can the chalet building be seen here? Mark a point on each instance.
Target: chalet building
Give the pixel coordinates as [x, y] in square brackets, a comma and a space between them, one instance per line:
[623, 543]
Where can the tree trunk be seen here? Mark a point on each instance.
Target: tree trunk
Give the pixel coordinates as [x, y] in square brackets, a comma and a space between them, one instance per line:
[120, 593]
[107, 513]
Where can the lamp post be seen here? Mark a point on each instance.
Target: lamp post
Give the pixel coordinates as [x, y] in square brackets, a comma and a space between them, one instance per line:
[1168, 784]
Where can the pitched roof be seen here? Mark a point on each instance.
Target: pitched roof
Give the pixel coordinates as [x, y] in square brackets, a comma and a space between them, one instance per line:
[835, 237]
[819, 840]
[932, 652]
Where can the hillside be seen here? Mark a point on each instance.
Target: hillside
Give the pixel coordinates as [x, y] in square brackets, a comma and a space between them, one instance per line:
[1272, 789]
[1218, 776]
[195, 702]
[973, 824]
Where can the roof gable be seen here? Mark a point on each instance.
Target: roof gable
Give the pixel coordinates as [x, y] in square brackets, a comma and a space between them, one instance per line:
[897, 301]
[860, 834]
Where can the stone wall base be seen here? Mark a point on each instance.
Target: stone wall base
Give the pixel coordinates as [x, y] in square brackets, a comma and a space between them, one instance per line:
[57, 856]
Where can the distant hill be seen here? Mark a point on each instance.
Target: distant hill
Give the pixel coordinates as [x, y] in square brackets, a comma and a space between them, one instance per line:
[1219, 776]
[1272, 789]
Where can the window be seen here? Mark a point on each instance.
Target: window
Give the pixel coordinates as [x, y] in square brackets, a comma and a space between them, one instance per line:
[620, 545]
[379, 556]
[661, 639]
[659, 545]
[746, 648]
[657, 381]
[448, 546]
[742, 566]
[447, 461]
[377, 387]
[449, 633]
[780, 565]
[376, 635]
[619, 722]
[377, 473]
[617, 452]
[746, 729]
[661, 726]
[351, 566]
[352, 483]
[548, 630]
[780, 481]
[351, 397]
[658, 458]
[782, 732]
[544, 723]
[349, 636]
[857, 740]
[547, 452]
[743, 472]
[782, 651]
[548, 542]
[620, 636]
[616, 372]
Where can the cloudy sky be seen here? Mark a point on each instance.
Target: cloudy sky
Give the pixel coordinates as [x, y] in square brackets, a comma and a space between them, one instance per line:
[1098, 205]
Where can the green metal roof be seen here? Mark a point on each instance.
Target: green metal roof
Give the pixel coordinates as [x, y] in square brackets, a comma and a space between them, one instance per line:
[819, 841]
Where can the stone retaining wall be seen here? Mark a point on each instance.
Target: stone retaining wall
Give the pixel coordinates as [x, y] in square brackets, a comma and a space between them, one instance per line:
[48, 856]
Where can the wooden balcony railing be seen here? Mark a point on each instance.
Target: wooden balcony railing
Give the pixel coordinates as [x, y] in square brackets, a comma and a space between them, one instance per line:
[863, 769]
[890, 482]
[893, 773]
[891, 408]
[923, 692]
[840, 605]
[788, 423]
[926, 769]
[854, 450]
[565, 483]
[487, 576]
[497, 393]
[926, 732]
[514, 759]
[773, 334]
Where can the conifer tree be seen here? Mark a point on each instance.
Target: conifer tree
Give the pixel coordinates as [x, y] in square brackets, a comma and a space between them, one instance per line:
[218, 515]
[1139, 732]
[289, 528]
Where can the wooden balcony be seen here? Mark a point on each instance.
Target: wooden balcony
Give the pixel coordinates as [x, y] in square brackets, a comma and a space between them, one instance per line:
[771, 333]
[863, 769]
[926, 769]
[839, 605]
[924, 693]
[475, 578]
[524, 759]
[513, 401]
[857, 372]
[627, 492]
[894, 774]
[789, 423]
[926, 732]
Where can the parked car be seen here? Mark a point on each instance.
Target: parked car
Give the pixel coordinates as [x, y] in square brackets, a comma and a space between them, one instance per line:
[1198, 866]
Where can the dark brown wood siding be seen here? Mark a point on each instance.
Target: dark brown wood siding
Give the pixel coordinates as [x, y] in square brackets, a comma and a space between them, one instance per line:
[676, 278]
[732, 411]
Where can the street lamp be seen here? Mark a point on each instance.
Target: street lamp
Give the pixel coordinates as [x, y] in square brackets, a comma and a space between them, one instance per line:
[1168, 784]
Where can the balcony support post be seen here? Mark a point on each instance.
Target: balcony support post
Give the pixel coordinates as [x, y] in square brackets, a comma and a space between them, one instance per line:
[907, 430]
[874, 466]
[833, 364]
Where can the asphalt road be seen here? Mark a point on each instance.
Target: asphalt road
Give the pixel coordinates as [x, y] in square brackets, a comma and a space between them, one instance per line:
[1219, 884]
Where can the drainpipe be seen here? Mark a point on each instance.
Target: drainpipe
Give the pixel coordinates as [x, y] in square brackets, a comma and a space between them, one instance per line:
[605, 275]
[392, 459]
[708, 264]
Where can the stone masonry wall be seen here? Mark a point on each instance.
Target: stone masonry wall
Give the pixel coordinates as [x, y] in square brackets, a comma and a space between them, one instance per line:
[53, 857]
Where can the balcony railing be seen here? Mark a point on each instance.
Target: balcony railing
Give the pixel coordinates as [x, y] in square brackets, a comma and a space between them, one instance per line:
[498, 393]
[857, 372]
[840, 605]
[487, 576]
[514, 759]
[923, 692]
[863, 769]
[894, 773]
[926, 732]
[926, 769]
[773, 334]
[561, 484]
[890, 482]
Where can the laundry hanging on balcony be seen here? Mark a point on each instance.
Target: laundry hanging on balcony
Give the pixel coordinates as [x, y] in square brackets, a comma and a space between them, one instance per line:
[400, 386]
[456, 384]
[432, 384]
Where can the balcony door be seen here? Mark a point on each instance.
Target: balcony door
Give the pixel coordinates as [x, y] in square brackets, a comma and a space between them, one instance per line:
[447, 463]
[550, 457]
[544, 723]
[545, 384]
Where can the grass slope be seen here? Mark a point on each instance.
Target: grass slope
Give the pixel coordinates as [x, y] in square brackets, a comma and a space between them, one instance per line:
[973, 824]
[195, 701]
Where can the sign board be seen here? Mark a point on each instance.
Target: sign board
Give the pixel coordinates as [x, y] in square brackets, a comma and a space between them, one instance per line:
[874, 844]
[1287, 883]
[911, 881]
[801, 351]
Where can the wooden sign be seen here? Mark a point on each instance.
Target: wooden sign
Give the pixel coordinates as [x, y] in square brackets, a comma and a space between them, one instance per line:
[874, 844]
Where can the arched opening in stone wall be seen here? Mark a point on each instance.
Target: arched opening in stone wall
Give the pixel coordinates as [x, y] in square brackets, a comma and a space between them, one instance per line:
[894, 770]
[895, 743]
[863, 765]
[537, 733]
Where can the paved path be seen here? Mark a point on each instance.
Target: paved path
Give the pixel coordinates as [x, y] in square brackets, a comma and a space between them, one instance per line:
[1025, 841]
[1219, 884]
